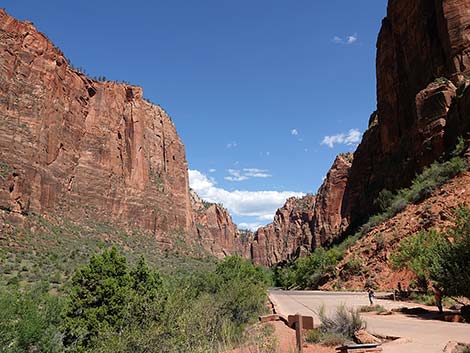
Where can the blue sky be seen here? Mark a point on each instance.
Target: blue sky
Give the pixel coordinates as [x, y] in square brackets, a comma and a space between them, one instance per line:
[264, 93]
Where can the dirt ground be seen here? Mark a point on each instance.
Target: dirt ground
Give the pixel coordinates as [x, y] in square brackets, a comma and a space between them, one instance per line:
[282, 341]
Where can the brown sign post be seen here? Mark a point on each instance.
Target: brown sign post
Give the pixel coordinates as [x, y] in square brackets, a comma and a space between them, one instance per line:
[298, 333]
[300, 323]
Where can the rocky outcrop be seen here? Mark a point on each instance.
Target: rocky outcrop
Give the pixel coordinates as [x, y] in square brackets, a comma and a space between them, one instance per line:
[216, 230]
[289, 235]
[423, 57]
[306, 223]
[330, 220]
[67, 139]
[76, 147]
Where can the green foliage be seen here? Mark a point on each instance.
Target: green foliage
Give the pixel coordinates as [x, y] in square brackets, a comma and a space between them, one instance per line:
[308, 271]
[313, 336]
[433, 176]
[30, 320]
[106, 295]
[443, 258]
[372, 308]
[384, 200]
[113, 307]
[333, 339]
[353, 266]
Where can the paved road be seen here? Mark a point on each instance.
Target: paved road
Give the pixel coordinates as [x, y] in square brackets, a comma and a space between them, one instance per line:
[416, 335]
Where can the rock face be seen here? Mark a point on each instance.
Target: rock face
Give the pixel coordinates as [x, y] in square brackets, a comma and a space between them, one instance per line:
[423, 57]
[306, 223]
[330, 220]
[216, 230]
[423, 106]
[287, 235]
[73, 145]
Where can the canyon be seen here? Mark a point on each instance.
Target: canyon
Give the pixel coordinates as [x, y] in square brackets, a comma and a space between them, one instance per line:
[73, 146]
[422, 68]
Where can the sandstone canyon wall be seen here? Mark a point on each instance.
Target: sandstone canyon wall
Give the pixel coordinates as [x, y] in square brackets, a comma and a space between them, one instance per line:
[423, 59]
[423, 106]
[72, 145]
[306, 223]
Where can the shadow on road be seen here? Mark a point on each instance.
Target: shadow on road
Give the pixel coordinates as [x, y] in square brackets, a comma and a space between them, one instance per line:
[424, 314]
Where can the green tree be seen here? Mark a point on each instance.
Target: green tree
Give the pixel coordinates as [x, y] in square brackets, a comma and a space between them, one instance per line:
[450, 265]
[148, 294]
[443, 258]
[98, 300]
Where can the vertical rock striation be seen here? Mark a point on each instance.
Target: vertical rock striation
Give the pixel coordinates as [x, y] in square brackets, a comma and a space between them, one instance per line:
[306, 223]
[74, 146]
[423, 57]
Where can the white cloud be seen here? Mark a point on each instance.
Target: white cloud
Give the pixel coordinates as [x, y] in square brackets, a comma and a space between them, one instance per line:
[246, 173]
[337, 40]
[266, 217]
[212, 170]
[256, 173]
[250, 226]
[294, 132]
[235, 175]
[351, 39]
[261, 204]
[351, 138]
[232, 145]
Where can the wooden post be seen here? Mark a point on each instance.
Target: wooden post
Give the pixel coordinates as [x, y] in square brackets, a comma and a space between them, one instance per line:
[298, 333]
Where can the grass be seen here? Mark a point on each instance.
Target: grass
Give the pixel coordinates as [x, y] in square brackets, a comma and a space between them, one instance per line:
[326, 339]
[5, 169]
[372, 308]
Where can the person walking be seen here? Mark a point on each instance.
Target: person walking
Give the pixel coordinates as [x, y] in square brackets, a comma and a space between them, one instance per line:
[371, 296]
[437, 297]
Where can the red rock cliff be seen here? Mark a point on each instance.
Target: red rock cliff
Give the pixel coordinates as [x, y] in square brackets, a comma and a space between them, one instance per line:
[423, 106]
[423, 57]
[216, 230]
[306, 223]
[73, 145]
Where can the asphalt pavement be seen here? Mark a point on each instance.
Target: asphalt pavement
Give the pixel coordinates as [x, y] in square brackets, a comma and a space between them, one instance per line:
[416, 335]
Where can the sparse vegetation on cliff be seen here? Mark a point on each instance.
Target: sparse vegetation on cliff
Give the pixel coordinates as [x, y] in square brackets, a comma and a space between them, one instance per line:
[442, 258]
[314, 270]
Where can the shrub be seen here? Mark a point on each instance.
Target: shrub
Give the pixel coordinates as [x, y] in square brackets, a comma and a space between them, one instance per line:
[353, 266]
[30, 320]
[371, 308]
[313, 336]
[384, 200]
[443, 258]
[343, 322]
[334, 339]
